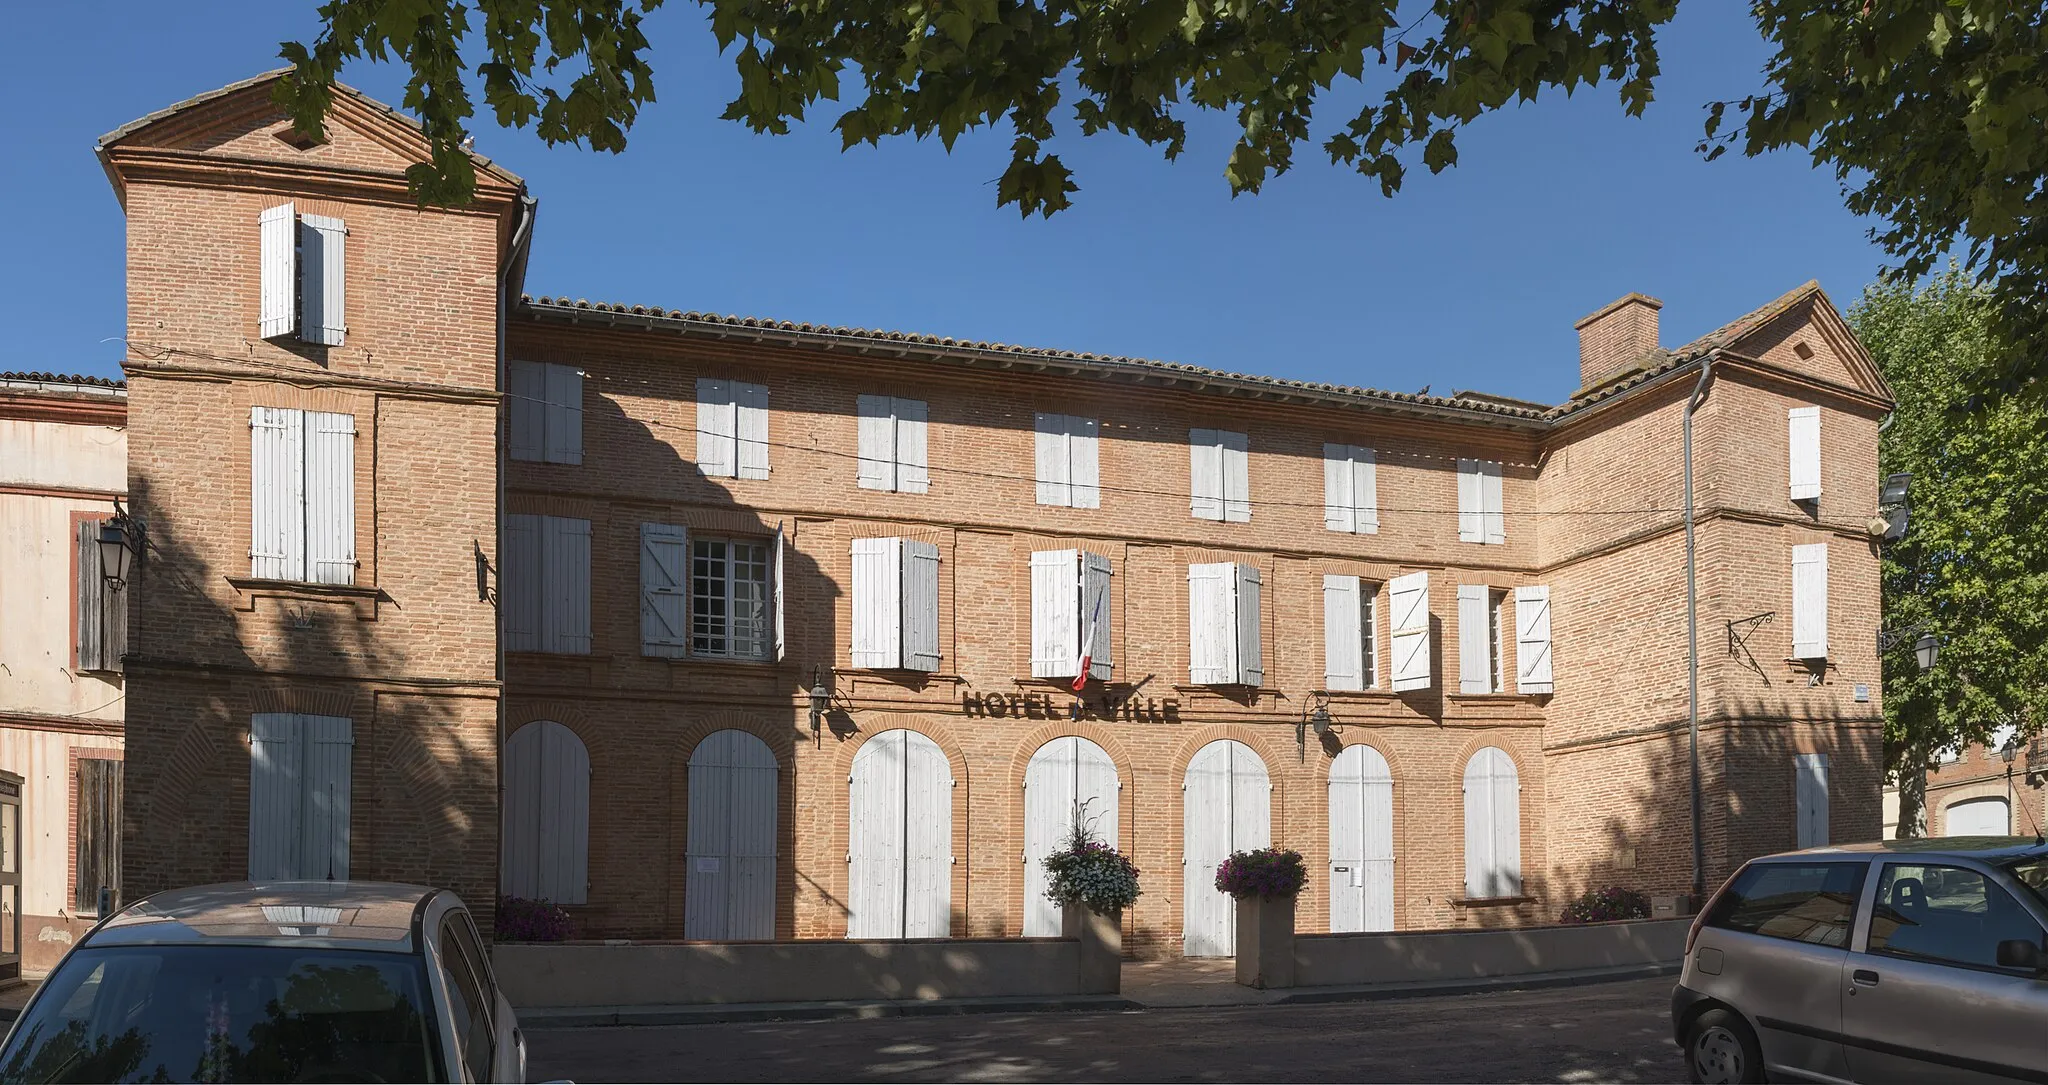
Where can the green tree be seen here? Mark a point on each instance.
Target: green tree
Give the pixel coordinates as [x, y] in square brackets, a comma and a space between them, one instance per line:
[1973, 567]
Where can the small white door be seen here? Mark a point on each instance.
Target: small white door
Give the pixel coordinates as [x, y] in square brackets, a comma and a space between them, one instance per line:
[730, 862]
[1977, 817]
[900, 853]
[1069, 779]
[1361, 842]
[1810, 794]
[1226, 806]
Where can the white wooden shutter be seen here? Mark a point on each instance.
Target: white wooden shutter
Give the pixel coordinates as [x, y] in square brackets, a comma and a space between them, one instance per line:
[275, 763]
[1805, 459]
[920, 606]
[564, 810]
[1810, 601]
[750, 412]
[1471, 503]
[877, 603]
[1208, 927]
[1810, 790]
[1486, 859]
[1408, 622]
[1475, 643]
[329, 748]
[875, 838]
[1084, 461]
[928, 839]
[1237, 489]
[1205, 474]
[781, 632]
[664, 590]
[1507, 826]
[519, 583]
[322, 279]
[565, 578]
[277, 507]
[913, 467]
[1054, 454]
[717, 428]
[730, 877]
[330, 498]
[1361, 803]
[1096, 620]
[1338, 512]
[1532, 639]
[1055, 613]
[1365, 489]
[519, 827]
[527, 392]
[1343, 648]
[278, 229]
[1212, 624]
[1251, 657]
[1494, 521]
[564, 414]
[877, 432]
[1049, 811]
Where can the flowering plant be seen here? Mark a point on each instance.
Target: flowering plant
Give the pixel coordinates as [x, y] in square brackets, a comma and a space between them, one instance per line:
[1088, 872]
[523, 920]
[1267, 872]
[1602, 905]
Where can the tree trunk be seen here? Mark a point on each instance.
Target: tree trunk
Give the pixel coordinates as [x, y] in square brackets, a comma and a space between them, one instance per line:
[1912, 793]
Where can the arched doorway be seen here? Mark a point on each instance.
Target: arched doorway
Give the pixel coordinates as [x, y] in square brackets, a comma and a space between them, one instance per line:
[729, 878]
[1068, 779]
[1977, 817]
[900, 839]
[545, 844]
[1361, 841]
[1226, 806]
[1493, 826]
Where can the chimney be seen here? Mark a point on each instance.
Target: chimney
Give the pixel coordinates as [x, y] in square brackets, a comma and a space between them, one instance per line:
[1615, 337]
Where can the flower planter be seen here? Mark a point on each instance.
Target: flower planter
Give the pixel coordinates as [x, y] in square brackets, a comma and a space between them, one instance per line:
[1265, 941]
[1101, 935]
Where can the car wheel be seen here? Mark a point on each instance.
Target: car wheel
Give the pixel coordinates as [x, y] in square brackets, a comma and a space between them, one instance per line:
[1720, 1049]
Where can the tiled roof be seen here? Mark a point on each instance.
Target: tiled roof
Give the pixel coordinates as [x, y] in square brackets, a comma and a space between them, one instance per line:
[13, 377]
[1657, 363]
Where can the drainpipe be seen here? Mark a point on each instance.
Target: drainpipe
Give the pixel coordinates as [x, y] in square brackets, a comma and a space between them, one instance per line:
[1692, 631]
[512, 273]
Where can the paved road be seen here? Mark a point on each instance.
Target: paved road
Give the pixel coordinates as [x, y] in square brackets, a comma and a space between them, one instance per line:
[1603, 1032]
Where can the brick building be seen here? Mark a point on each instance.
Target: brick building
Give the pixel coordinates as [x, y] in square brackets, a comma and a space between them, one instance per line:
[1974, 790]
[691, 521]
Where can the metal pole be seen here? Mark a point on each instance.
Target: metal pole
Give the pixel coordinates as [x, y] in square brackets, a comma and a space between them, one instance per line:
[1692, 633]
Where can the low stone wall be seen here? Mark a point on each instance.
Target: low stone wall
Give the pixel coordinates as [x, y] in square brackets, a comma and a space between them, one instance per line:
[1394, 957]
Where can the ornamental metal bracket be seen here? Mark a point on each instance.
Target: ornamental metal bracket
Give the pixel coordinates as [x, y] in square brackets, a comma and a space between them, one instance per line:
[1739, 632]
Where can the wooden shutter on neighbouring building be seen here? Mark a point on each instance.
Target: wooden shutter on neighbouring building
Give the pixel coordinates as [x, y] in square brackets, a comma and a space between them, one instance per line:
[564, 429]
[330, 498]
[526, 408]
[98, 826]
[92, 591]
[1493, 519]
[1475, 640]
[565, 585]
[322, 280]
[717, 428]
[1471, 503]
[1408, 622]
[1804, 426]
[1343, 628]
[1532, 639]
[278, 230]
[664, 590]
[1237, 490]
[1351, 489]
[328, 745]
[1810, 601]
[1084, 461]
[877, 438]
[913, 466]
[519, 583]
[781, 632]
[1052, 451]
[750, 417]
[275, 783]
[1205, 474]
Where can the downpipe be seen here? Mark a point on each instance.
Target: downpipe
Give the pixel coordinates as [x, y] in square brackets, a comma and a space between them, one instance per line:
[1692, 631]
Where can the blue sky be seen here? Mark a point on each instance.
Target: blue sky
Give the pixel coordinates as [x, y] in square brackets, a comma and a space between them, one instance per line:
[1468, 279]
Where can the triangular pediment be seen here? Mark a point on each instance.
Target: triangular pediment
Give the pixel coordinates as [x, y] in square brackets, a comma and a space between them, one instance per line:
[1808, 336]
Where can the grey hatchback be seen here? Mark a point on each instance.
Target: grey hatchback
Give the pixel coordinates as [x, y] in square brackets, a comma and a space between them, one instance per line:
[286, 981]
[1895, 961]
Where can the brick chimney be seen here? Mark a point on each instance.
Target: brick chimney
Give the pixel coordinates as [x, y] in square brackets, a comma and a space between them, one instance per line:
[1614, 337]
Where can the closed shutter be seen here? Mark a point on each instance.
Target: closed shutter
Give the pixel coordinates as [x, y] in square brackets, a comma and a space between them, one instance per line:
[519, 583]
[1237, 490]
[1804, 423]
[1338, 513]
[1365, 489]
[877, 603]
[278, 230]
[750, 413]
[1055, 613]
[1205, 474]
[1532, 639]
[877, 436]
[1361, 842]
[527, 410]
[1084, 461]
[730, 873]
[717, 428]
[277, 501]
[1493, 826]
[1475, 645]
[91, 591]
[1226, 806]
[1495, 521]
[519, 824]
[1342, 626]
[1251, 656]
[1212, 624]
[1471, 503]
[1068, 781]
[98, 821]
[928, 845]
[1097, 621]
[275, 763]
[330, 498]
[664, 592]
[1408, 621]
[920, 606]
[1507, 826]
[1810, 790]
[564, 414]
[876, 828]
[781, 631]
[546, 815]
[329, 747]
[1810, 601]
[321, 270]
[1053, 452]
[913, 468]
[565, 585]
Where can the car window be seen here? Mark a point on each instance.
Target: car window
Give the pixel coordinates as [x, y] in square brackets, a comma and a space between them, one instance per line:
[2032, 873]
[471, 1018]
[463, 931]
[1800, 902]
[1947, 914]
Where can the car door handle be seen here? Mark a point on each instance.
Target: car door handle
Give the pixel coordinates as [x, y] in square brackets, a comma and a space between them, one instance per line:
[1864, 977]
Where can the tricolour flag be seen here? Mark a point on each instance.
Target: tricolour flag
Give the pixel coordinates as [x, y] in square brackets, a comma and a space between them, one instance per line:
[1088, 645]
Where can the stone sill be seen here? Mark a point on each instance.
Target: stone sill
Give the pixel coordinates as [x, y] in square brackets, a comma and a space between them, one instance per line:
[1491, 902]
[364, 599]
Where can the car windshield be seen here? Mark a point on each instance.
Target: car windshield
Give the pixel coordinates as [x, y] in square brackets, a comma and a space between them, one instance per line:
[226, 1013]
[2033, 873]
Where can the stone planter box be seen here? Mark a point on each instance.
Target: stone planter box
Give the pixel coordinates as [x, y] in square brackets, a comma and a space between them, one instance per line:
[1265, 941]
[1101, 939]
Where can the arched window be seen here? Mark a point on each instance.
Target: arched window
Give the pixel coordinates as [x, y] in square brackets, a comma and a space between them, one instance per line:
[1493, 826]
[546, 831]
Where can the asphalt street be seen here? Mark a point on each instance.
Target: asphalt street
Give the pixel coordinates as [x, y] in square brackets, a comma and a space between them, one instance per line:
[1602, 1032]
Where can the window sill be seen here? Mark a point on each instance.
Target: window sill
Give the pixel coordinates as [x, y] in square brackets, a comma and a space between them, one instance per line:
[363, 599]
[1491, 902]
[1497, 697]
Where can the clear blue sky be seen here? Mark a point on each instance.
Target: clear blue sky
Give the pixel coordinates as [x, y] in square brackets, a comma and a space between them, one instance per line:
[1468, 279]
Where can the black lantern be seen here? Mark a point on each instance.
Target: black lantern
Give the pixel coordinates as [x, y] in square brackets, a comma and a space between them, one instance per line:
[118, 541]
[1314, 716]
[821, 699]
[2009, 751]
[1925, 650]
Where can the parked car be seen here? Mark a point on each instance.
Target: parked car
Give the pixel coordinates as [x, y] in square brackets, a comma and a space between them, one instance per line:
[1895, 961]
[286, 981]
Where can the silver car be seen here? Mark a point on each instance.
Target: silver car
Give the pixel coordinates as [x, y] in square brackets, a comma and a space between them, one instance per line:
[1896, 961]
[286, 981]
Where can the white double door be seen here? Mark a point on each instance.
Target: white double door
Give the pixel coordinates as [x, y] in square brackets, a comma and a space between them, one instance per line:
[729, 881]
[1069, 781]
[1226, 806]
[900, 847]
[1361, 842]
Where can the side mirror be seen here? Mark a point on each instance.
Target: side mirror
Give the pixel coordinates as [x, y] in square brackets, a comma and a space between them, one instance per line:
[2019, 953]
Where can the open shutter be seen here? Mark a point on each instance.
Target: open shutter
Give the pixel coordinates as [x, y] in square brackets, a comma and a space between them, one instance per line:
[1084, 461]
[920, 606]
[877, 432]
[92, 589]
[329, 748]
[1810, 601]
[1095, 615]
[1251, 657]
[565, 414]
[320, 292]
[519, 583]
[717, 428]
[330, 498]
[1055, 613]
[277, 479]
[877, 603]
[1212, 624]
[913, 468]
[781, 633]
[1810, 790]
[750, 413]
[1805, 459]
[1408, 621]
[278, 228]
[1338, 512]
[1342, 627]
[1205, 474]
[1494, 521]
[1471, 503]
[1365, 489]
[1532, 639]
[1237, 492]
[1055, 461]
[664, 598]
[527, 392]
[274, 774]
[565, 609]
[1475, 646]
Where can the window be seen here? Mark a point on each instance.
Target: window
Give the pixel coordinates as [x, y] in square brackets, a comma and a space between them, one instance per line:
[1810, 601]
[469, 998]
[1805, 457]
[1532, 639]
[1799, 902]
[1493, 826]
[545, 584]
[299, 773]
[1069, 460]
[732, 428]
[547, 412]
[1810, 798]
[1350, 648]
[302, 474]
[302, 275]
[1070, 614]
[545, 841]
[895, 604]
[1351, 494]
[102, 608]
[96, 814]
[1480, 629]
[1224, 646]
[892, 445]
[1408, 622]
[1219, 475]
[1481, 518]
[1945, 914]
[729, 598]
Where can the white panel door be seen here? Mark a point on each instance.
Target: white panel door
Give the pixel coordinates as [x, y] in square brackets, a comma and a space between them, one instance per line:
[1069, 779]
[1361, 842]
[1226, 806]
[1978, 817]
[730, 862]
[900, 858]
[1810, 791]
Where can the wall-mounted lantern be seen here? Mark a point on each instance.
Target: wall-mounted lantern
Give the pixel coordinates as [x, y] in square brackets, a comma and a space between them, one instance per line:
[1315, 716]
[121, 542]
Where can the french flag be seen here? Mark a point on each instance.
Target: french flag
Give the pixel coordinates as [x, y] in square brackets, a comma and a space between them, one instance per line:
[1088, 645]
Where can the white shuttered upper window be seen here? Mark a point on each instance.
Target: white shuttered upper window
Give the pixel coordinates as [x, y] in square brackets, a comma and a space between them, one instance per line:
[302, 276]
[1070, 614]
[1351, 496]
[732, 428]
[1219, 475]
[1224, 641]
[895, 605]
[302, 509]
[1350, 645]
[547, 412]
[1493, 826]
[1068, 453]
[1481, 515]
[1408, 623]
[545, 584]
[1804, 425]
[893, 445]
[1810, 601]
[299, 773]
